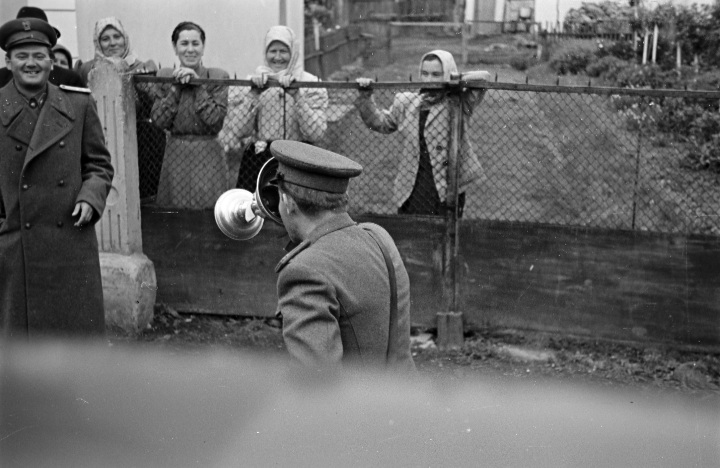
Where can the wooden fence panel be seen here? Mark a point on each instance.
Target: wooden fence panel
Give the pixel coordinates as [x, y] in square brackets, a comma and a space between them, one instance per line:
[337, 49]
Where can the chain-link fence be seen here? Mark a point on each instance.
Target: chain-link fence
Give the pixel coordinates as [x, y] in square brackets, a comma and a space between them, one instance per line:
[591, 157]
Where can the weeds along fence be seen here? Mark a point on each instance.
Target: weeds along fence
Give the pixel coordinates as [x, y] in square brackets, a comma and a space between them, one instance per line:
[589, 157]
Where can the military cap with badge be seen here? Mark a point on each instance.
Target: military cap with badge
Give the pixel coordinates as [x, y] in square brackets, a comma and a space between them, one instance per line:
[293, 162]
[312, 167]
[25, 31]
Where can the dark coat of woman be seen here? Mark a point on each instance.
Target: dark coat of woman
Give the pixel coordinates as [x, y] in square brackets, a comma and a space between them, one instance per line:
[50, 280]
[194, 172]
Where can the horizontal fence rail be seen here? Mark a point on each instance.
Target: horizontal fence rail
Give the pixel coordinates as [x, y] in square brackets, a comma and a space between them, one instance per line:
[593, 157]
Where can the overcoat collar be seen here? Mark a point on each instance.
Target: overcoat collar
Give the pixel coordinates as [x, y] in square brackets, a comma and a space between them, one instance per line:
[54, 121]
[332, 224]
[57, 109]
[340, 221]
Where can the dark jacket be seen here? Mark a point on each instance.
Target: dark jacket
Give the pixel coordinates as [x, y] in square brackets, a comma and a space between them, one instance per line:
[58, 76]
[334, 298]
[49, 269]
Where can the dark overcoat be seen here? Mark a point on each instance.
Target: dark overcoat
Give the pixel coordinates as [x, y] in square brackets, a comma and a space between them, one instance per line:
[334, 298]
[50, 280]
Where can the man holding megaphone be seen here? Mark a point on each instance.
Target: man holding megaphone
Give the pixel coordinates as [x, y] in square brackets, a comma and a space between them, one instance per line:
[343, 291]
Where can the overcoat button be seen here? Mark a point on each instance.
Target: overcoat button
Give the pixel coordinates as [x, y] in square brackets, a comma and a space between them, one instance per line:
[25, 186]
[445, 163]
[59, 224]
[439, 147]
[18, 147]
[62, 144]
[61, 183]
[27, 225]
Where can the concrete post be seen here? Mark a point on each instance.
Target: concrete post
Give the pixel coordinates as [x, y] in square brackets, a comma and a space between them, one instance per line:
[129, 284]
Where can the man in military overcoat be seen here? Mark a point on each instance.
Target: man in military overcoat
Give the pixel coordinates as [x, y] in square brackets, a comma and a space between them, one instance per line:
[343, 291]
[58, 75]
[55, 175]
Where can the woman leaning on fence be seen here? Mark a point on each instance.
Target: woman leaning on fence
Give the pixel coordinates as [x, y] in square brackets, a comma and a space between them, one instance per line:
[420, 186]
[265, 113]
[112, 40]
[194, 173]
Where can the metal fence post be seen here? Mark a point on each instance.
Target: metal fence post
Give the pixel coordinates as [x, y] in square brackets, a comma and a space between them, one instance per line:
[465, 33]
[388, 40]
[637, 165]
[449, 321]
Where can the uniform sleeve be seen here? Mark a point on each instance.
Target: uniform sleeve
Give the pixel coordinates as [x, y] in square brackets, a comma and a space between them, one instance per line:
[310, 330]
[96, 168]
[312, 113]
[383, 121]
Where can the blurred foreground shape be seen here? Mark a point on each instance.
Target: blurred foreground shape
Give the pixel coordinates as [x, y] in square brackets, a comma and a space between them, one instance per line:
[87, 405]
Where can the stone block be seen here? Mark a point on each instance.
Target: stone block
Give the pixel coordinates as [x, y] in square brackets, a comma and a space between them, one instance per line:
[129, 289]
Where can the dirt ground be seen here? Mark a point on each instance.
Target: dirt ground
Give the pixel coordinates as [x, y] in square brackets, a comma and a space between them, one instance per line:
[487, 354]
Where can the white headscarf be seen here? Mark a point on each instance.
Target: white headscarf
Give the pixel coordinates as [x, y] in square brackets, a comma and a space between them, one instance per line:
[114, 23]
[446, 59]
[295, 66]
[434, 96]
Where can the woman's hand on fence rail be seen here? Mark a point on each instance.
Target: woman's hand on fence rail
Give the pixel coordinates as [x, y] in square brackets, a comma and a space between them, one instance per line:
[183, 75]
[477, 75]
[262, 79]
[364, 84]
[259, 80]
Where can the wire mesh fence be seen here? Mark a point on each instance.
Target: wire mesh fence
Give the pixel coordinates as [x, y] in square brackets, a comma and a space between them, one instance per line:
[590, 157]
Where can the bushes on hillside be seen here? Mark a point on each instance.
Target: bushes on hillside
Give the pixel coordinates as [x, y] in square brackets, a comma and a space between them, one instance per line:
[522, 62]
[646, 76]
[704, 155]
[604, 17]
[572, 61]
[607, 68]
[622, 50]
[696, 30]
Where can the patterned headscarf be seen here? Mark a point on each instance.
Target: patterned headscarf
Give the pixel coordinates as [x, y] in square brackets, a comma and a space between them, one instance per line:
[295, 66]
[112, 22]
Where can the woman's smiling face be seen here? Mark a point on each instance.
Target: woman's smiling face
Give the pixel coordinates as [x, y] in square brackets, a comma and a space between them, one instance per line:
[112, 43]
[189, 48]
[277, 56]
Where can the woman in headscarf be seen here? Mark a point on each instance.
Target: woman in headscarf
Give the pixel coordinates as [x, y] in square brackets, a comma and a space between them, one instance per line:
[62, 56]
[194, 173]
[420, 186]
[265, 113]
[111, 40]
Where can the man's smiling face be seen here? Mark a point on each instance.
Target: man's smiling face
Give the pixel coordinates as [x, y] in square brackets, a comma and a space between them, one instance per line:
[30, 65]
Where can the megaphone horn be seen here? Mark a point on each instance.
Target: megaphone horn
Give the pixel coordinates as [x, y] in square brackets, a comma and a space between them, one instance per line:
[235, 209]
